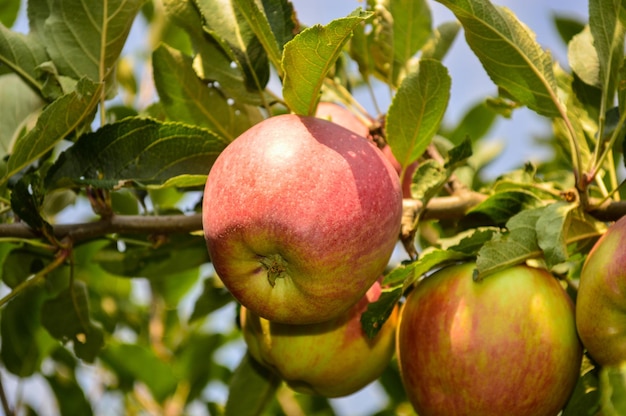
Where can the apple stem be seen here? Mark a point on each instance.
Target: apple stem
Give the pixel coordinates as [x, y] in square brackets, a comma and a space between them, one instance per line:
[276, 267]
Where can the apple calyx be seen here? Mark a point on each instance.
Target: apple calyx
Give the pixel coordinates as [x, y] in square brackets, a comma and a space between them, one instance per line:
[276, 267]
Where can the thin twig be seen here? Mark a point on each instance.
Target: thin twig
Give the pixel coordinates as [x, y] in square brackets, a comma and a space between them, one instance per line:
[3, 398]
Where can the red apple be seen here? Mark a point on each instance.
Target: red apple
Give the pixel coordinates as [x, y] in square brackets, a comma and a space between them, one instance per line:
[300, 217]
[342, 116]
[332, 359]
[601, 300]
[506, 345]
[345, 118]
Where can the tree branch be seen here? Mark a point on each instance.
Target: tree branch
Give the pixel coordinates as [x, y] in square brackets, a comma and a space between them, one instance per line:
[120, 224]
[447, 207]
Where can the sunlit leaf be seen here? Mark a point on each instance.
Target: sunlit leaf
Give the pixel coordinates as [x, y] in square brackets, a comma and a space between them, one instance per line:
[552, 228]
[224, 21]
[417, 110]
[309, 56]
[583, 58]
[258, 20]
[212, 63]
[58, 120]
[141, 150]
[188, 99]
[84, 39]
[608, 39]
[509, 53]
[22, 54]
[613, 389]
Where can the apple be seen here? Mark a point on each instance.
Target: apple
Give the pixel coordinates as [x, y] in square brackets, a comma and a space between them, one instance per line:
[601, 299]
[342, 116]
[332, 359]
[345, 118]
[506, 345]
[300, 217]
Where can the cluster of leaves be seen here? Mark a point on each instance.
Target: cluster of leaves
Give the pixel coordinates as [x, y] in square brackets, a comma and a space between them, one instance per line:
[75, 130]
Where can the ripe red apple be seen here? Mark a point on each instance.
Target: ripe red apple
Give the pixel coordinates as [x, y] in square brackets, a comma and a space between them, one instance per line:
[506, 345]
[342, 116]
[601, 300]
[332, 359]
[345, 118]
[300, 216]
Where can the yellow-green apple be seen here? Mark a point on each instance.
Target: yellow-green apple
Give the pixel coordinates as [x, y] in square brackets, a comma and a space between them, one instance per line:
[300, 216]
[601, 299]
[505, 345]
[332, 359]
[345, 118]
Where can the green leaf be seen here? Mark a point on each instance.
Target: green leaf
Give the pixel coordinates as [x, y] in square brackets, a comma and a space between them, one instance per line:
[567, 27]
[517, 245]
[585, 399]
[613, 390]
[181, 181]
[142, 150]
[427, 180]
[212, 63]
[84, 39]
[583, 58]
[177, 254]
[20, 330]
[191, 363]
[8, 12]
[552, 229]
[509, 53]
[58, 120]
[251, 389]
[608, 38]
[377, 313]
[475, 124]
[308, 58]
[66, 317]
[26, 202]
[69, 394]
[501, 206]
[132, 362]
[412, 26]
[19, 104]
[224, 22]
[214, 296]
[440, 41]
[417, 110]
[257, 20]
[22, 54]
[399, 29]
[188, 99]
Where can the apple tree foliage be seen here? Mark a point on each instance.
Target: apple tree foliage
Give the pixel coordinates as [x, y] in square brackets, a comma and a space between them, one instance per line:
[107, 291]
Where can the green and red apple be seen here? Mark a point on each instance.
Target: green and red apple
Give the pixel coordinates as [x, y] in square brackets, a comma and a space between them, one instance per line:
[332, 359]
[301, 217]
[601, 299]
[505, 345]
